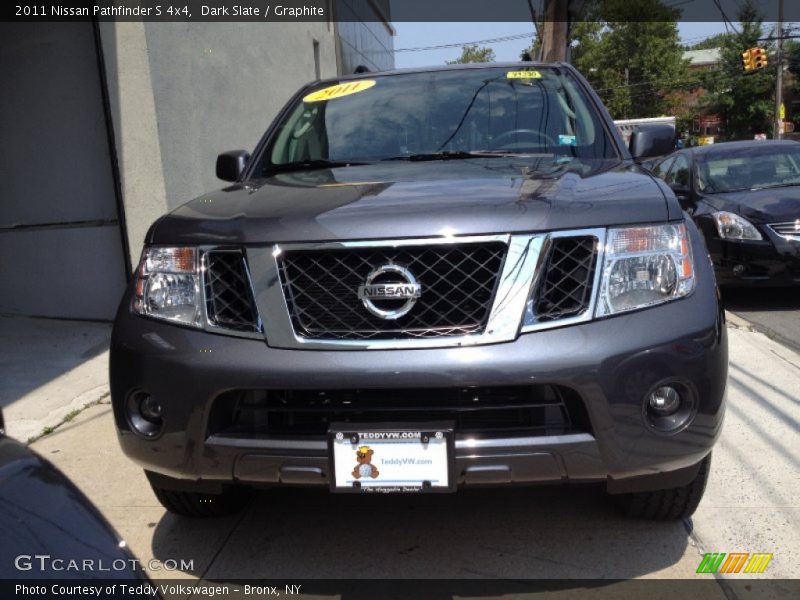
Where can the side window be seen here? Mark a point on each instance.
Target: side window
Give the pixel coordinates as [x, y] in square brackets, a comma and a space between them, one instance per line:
[661, 169]
[679, 173]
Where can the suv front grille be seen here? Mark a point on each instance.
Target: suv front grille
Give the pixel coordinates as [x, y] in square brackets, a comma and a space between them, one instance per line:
[566, 283]
[525, 410]
[229, 296]
[458, 287]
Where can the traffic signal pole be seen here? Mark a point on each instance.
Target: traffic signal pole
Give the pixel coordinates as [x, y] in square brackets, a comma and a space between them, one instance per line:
[779, 79]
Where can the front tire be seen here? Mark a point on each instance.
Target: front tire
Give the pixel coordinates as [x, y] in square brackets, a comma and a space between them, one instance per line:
[201, 505]
[673, 503]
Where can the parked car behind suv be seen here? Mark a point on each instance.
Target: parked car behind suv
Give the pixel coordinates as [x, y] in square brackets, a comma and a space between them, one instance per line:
[745, 199]
[422, 280]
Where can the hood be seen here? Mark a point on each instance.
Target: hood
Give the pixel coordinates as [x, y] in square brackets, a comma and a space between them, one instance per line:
[401, 200]
[771, 205]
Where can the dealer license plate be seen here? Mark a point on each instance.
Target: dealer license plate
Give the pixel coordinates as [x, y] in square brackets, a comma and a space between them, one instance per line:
[391, 458]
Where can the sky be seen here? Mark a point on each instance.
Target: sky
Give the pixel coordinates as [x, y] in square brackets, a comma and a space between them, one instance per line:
[418, 35]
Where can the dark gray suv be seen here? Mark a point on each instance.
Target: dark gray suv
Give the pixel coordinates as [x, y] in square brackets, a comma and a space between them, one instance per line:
[423, 280]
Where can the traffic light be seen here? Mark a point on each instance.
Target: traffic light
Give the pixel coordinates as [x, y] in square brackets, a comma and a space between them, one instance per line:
[759, 57]
[747, 60]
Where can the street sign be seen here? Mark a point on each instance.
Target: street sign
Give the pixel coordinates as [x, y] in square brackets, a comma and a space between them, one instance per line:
[782, 111]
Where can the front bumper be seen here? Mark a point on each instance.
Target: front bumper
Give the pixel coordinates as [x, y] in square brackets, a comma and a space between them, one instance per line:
[773, 261]
[609, 363]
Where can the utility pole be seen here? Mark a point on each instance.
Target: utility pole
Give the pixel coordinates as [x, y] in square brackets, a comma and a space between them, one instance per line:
[779, 79]
[627, 83]
[554, 31]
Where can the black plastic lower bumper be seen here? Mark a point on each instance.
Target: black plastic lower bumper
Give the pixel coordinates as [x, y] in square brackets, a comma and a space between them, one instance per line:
[772, 262]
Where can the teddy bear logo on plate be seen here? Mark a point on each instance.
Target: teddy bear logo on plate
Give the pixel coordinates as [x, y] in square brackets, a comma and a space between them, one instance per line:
[365, 468]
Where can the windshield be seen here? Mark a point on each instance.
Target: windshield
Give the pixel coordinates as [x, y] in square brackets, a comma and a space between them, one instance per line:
[440, 114]
[749, 168]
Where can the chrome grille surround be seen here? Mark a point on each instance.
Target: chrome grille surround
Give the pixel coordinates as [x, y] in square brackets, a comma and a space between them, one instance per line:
[565, 289]
[459, 282]
[789, 230]
[521, 272]
[228, 298]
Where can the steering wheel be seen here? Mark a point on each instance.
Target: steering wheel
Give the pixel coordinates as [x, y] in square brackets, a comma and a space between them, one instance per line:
[539, 135]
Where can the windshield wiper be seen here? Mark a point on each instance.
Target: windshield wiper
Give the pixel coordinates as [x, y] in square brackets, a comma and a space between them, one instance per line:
[454, 155]
[777, 185]
[319, 163]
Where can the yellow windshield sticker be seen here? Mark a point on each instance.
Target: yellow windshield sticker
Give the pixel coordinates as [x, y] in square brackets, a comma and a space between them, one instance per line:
[523, 75]
[339, 90]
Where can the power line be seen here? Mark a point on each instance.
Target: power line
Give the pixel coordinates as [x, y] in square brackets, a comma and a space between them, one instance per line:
[727, 21]
[507, 38]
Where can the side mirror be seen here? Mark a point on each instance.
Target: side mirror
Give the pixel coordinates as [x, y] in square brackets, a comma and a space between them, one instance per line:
[649, 141]
[231, 164]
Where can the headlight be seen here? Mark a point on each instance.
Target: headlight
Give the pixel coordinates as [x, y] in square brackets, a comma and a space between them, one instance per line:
[168, 285]
[645, 266]
[731, 226]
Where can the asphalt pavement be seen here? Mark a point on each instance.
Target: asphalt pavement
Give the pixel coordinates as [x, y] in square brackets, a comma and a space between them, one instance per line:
[773, 311]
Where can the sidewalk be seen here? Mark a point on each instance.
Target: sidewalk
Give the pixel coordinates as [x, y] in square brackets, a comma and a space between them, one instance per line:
[50, 368]
[751, 505]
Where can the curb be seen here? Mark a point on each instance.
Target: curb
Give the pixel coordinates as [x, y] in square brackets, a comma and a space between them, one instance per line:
[738, 322]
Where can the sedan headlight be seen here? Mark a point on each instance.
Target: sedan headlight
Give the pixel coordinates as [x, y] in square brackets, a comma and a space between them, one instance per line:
[168, 285]
[645, 266]
[731, 226]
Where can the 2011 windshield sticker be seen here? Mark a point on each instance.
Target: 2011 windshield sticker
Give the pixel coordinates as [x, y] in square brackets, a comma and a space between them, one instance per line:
[339, 90]
[523, 75]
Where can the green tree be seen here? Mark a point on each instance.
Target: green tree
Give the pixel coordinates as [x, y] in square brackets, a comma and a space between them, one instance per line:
[745, 101]
[791, 54]
[472, 53]
[632, 56]
[533, 50]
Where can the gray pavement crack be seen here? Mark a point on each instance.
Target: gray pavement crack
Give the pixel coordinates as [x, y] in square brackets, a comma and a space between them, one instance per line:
[224, 542]
[723, 584]
[786, 360]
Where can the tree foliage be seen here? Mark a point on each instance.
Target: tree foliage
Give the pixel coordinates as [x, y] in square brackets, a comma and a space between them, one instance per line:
[745, 101]
[791, 53]
[473, 53]
[631, 54]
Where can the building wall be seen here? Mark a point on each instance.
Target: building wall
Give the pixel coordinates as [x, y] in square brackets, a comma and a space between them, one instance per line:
[181, 93]
[217, 87]
[365, 35]
[61, 250]
[177, 95]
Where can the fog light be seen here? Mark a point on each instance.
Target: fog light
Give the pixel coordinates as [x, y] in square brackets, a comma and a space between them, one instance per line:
[144, 414]
[665, 400]
[670, 406]
[150, 409]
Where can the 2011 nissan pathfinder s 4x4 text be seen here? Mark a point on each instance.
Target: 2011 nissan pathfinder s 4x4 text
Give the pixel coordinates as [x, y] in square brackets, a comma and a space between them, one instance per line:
[423, 280]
